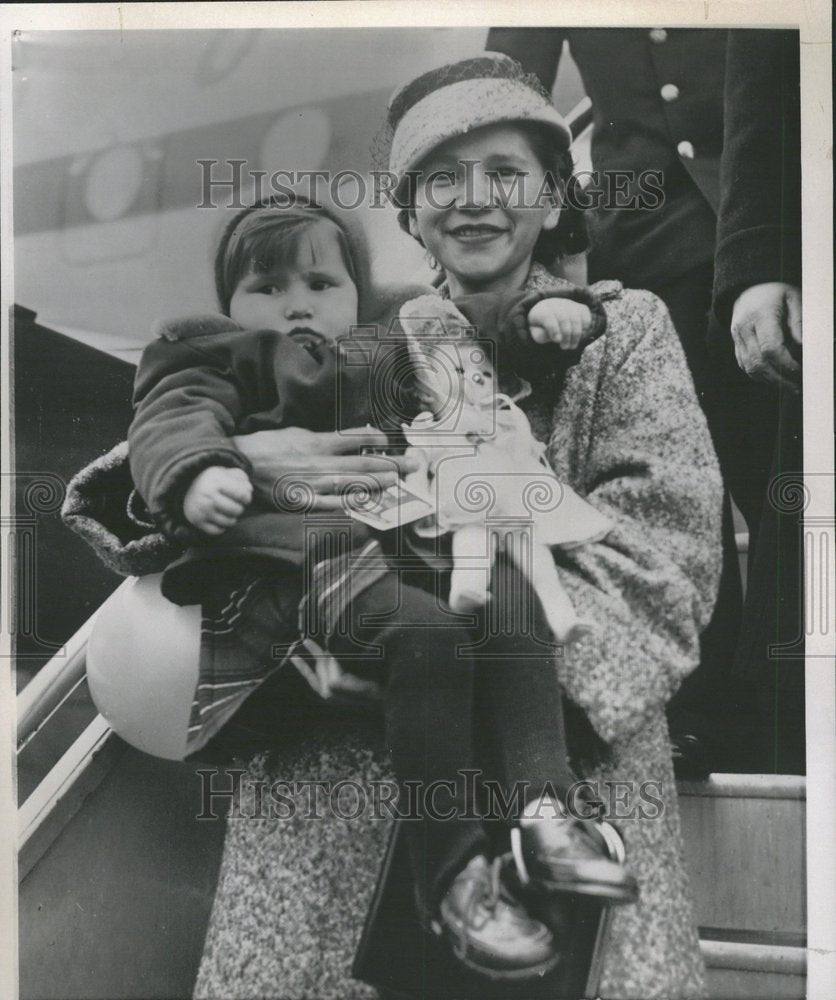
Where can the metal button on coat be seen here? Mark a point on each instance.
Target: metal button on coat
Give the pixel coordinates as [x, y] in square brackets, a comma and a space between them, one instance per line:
[686, 149]
[669, 92]
[658, 35]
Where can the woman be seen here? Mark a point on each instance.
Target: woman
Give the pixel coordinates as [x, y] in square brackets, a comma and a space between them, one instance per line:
[623, 428]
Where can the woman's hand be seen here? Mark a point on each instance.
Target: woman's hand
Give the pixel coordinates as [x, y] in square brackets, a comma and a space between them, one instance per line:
[327, 462]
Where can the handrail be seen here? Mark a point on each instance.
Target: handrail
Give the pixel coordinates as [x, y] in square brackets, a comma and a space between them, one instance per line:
[55, 801]
[56, 680]
[52, 684]
[780, 959]
[746, 786]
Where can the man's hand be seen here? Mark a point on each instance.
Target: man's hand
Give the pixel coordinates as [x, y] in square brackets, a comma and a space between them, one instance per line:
[559, 321]
[766, 321]
[217, 498]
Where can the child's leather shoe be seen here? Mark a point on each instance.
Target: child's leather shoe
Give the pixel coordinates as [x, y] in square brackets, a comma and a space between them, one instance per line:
[566, 854]
[490, 930]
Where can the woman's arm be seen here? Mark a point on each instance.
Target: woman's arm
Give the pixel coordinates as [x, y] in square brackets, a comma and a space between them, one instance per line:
[631, 436]
[329, 462]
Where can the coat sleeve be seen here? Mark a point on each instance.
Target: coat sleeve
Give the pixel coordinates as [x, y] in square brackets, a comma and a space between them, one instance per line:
[759, 225]
[188, 401]
[504, 318]
[631, 437]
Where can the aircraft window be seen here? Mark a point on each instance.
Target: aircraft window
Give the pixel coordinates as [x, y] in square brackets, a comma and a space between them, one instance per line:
[297, 140]
[114, 182]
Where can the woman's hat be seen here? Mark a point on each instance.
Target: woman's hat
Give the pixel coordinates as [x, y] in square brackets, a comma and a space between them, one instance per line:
[454, 99]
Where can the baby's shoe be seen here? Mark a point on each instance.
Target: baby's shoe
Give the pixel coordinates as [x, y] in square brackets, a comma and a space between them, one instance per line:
[490, 930]
[558, 853]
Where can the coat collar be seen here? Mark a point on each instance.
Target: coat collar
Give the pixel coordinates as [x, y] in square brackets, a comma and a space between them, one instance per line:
[539, 279]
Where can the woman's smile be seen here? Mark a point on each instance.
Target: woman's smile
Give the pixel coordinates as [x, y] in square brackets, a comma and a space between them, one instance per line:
[476, 232]
[481, 237]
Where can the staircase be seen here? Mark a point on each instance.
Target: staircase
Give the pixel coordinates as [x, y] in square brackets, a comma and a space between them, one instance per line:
[86, 798]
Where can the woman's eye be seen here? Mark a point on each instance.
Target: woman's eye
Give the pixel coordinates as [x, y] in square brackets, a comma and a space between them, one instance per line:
[507, 171]
[268, 289]
[320, 285]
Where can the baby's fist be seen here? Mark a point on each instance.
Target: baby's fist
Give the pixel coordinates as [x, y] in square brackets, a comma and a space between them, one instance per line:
[559, 321]
[216, 499]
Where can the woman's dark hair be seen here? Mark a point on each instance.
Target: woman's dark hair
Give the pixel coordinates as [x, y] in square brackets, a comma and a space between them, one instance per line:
[571, 235]
[266, 236]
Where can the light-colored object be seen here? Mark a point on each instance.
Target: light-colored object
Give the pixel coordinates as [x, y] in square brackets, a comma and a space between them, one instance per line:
[658, 35]
[686, 149]
[485, 472]
[423, 118]
[142, 666]
[669, 92]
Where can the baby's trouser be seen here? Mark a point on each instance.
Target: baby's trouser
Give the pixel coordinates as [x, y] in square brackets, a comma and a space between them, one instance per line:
[452, 685]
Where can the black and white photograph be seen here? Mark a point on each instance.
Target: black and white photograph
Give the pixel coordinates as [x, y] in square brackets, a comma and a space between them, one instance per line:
[418, 501]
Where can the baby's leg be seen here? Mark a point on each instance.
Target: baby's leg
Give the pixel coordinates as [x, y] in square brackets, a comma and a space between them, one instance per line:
[518, 690]
[471, 576]
[428, 708]
[558, 848]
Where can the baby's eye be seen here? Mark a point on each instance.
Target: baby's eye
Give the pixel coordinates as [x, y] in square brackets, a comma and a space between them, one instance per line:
[268, 288]
[442, 178]
[320, 285]
[507, 171]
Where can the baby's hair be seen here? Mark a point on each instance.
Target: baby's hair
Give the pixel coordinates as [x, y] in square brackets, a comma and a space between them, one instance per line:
[266, 236]
[571, 235]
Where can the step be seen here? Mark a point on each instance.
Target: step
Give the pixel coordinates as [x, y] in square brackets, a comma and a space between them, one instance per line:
[745, 849]
[743, 971]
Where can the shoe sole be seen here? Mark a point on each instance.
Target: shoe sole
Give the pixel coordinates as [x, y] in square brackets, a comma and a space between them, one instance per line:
[614, 895]
[504, 975]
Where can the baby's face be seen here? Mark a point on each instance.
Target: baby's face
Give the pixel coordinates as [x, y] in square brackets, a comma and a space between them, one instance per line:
[314, 294]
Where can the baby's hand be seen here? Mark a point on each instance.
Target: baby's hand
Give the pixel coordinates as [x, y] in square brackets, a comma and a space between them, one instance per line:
[559, 321]
[217, 498]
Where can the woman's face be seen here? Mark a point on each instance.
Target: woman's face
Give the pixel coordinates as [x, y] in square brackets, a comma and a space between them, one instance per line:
[481, 203]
